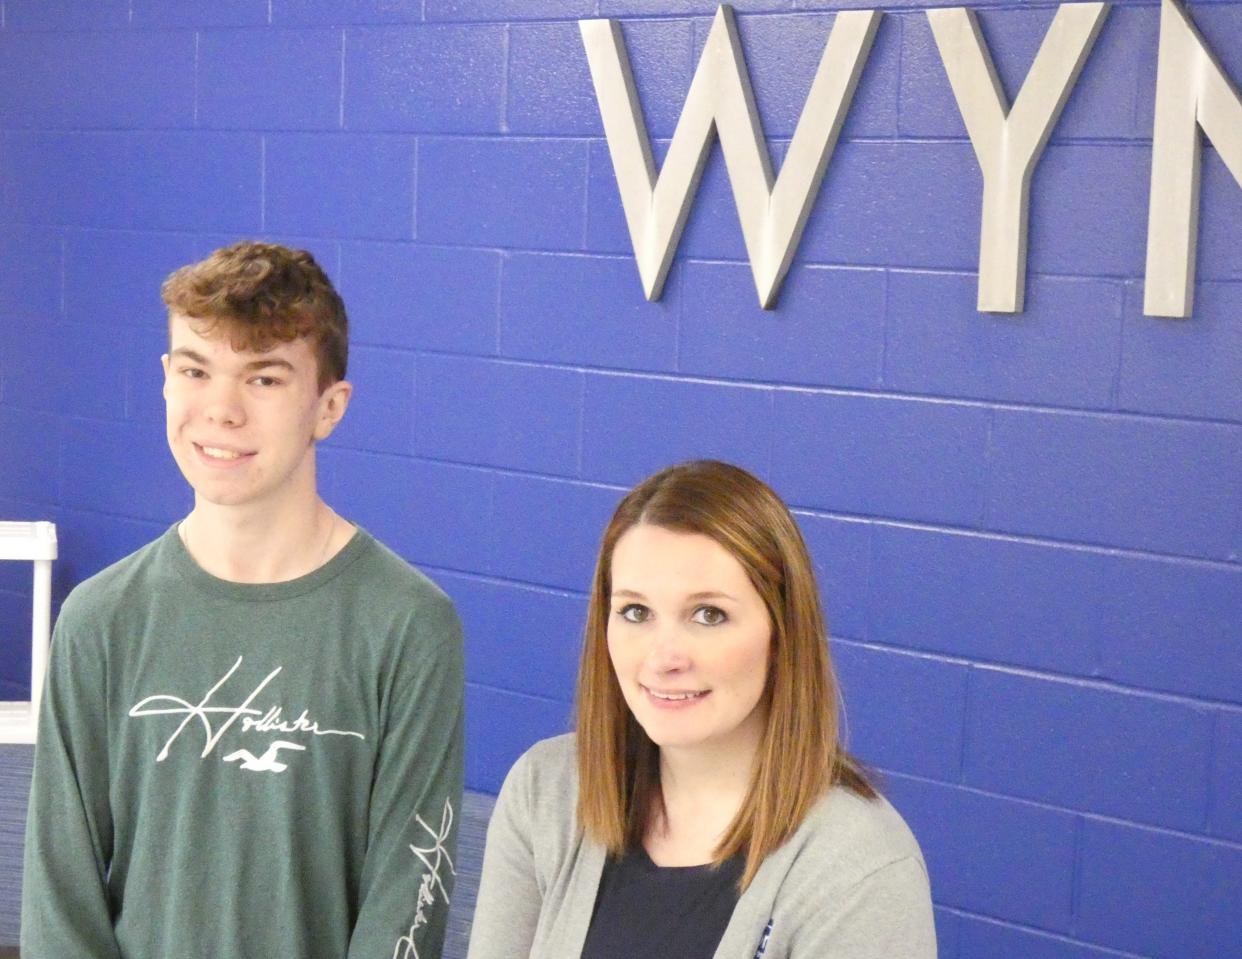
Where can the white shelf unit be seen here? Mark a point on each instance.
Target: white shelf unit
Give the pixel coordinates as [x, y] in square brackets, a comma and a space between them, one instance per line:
[33, 543]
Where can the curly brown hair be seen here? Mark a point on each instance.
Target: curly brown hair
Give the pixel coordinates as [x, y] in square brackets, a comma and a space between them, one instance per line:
[260, 294]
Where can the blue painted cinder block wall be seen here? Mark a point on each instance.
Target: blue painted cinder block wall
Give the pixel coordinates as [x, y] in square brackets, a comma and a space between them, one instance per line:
[1029, 527]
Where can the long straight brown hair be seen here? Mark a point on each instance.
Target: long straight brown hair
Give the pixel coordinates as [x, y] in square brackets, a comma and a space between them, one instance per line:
[800, 755]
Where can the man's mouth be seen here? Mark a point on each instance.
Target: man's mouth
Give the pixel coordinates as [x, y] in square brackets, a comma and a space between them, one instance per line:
[220, 454]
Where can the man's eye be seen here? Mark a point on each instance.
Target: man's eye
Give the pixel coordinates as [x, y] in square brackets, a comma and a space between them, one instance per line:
[192, 372]
[709, 615]
[265, 381]
[634, 613]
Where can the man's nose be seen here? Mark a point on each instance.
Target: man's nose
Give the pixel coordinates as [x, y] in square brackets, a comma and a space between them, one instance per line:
[223, 404]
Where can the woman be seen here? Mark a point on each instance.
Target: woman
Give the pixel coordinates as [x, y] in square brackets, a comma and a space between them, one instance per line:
[705, 807]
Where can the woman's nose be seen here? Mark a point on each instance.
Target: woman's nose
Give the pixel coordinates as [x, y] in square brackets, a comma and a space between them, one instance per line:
[668, 652]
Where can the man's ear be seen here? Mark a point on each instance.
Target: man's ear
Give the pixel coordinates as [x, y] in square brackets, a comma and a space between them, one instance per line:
[164, 363]
[332, 405]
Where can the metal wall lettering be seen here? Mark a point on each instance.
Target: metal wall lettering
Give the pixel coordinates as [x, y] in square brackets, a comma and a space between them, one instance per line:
[1008, 142]
[772, 211]
[1193, 93]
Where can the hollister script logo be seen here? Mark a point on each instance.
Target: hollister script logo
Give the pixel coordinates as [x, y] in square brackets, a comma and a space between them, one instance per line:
[431, 887]
[216, 720]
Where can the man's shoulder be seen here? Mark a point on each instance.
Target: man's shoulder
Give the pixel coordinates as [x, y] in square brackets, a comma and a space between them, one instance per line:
[99, 596]
[397, 600]
[388, 571]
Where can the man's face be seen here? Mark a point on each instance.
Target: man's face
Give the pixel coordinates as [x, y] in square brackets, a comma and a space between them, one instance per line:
[242, 425]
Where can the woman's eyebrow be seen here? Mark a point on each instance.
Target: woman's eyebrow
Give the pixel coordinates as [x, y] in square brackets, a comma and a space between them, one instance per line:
[712, 594]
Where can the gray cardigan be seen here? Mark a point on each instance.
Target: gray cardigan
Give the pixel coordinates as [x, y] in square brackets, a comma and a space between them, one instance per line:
[850, 883]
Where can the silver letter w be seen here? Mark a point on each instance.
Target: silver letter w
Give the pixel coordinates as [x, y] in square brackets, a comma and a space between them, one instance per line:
[772, 210]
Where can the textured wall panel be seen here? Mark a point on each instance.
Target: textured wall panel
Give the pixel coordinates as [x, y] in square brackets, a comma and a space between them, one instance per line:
[430, 513]
[532, 414]
[616, 448]
[329, 184]
[602, 294]
[879, 456]
[421, 297]
[509, 193]
[975, 845]
[1034, 737]
[97, 80]
[550, 89]
[521, 638]
[835, 318]
[1145, 484]
[239, 69]
[903, 712]
[1060, 350]
[547, 531]
[426, 79]
[1195, 914]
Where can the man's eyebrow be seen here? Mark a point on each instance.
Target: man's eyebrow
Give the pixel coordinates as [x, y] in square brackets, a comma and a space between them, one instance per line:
[195, 357]
[190, 355]
[274, 361]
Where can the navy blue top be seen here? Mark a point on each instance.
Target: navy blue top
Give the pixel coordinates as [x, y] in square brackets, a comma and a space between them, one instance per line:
[644, 910]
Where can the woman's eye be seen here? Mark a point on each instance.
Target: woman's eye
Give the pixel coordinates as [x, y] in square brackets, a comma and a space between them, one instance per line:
[709, 615]
[634, 613]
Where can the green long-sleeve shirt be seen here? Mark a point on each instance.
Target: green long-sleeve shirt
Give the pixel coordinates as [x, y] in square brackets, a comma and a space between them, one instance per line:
[233, 771]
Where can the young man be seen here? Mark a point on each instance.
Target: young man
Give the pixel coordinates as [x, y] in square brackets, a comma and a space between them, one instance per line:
[250, 743]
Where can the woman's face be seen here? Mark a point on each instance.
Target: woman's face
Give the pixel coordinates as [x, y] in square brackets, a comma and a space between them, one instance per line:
[690, 640]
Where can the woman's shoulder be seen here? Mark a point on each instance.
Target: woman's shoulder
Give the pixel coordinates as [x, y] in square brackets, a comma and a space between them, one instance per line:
[553, 760]
[851, 836]
[544, 780]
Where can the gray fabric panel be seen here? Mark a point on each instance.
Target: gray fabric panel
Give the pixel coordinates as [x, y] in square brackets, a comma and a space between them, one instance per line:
[15, 764]
[471, 834]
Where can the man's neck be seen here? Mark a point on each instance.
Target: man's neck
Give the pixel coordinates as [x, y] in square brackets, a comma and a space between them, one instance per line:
[261, 543]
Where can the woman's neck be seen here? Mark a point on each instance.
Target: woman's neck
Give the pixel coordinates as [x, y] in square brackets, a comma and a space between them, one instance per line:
[702, 791]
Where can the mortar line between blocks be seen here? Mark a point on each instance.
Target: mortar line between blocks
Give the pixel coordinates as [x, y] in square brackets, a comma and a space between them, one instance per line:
[64, 273]
[198, 34]
[989, 465]
[1076, 875]
[504, 80]
[263, 182]
[340, 118]
[966, 703]
[582, 386]
[414, 194]
[586, 203]
[1209, 793]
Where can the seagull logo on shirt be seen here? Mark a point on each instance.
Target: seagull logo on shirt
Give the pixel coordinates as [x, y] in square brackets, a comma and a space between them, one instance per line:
[262, 764]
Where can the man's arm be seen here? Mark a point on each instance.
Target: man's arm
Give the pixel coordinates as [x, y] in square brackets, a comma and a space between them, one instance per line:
[407, 879]
[65, 909]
